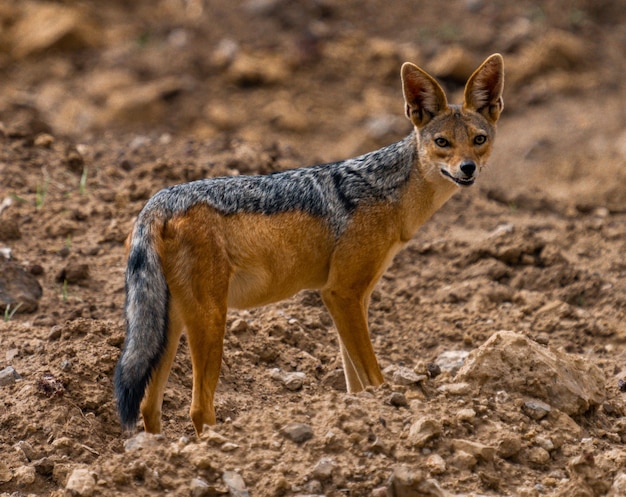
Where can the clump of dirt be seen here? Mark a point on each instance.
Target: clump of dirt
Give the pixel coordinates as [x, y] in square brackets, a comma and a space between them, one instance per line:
[500, 327]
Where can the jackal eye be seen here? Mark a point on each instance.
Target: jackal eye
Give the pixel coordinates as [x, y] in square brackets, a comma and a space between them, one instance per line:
[442, 142]
[480, 139]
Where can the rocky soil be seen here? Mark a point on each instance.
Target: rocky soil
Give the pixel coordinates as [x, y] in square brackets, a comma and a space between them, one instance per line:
[500, 328]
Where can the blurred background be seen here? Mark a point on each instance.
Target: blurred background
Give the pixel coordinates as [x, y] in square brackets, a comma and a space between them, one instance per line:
[322, 76]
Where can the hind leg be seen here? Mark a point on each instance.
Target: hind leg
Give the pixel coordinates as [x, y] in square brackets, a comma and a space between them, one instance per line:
[205, 332]
[153, 400]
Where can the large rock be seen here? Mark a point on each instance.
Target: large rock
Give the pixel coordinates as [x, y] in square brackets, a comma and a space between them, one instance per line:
[512, 362]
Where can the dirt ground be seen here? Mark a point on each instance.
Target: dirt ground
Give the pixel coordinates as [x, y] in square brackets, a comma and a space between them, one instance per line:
[104, 103]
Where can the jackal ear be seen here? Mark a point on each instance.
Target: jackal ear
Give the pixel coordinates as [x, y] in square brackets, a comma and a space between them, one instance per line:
[483, 91]
[423, 96]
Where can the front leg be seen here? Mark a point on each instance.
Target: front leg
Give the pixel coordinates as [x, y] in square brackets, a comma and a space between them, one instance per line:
[349, 312]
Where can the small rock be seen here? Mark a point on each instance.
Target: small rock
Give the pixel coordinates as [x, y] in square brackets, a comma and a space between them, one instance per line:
[143, 440]
[463, 461]
[239, 326]
[44, 140]
[236, 485]
[424, 430]
[5, 473]
[398, 399]
[335, 379]
[621, 385]
[73, 273]
[212, 437]
[198, 487]
[324, 468]
[537, 456]
[25, 475]
[466, 415]
[476, 449]
[545, 443]
[298, 432]
[433, 369]
[82, 482]
[406, 482]
[535, 409]
[435, 464]
[12, 354]
[26, 449]
[10, 230]
[380, 492]
[451, 360]
[55, 332]
[292, 381]
[229, 447]
[455, 388]
[509, 447]
[405, 376]
[8, 376]
[618, 489]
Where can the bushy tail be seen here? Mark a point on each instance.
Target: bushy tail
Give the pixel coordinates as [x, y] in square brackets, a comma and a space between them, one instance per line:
[146, 311]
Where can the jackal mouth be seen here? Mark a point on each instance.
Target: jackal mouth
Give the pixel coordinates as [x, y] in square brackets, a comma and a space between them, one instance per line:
[459, 181]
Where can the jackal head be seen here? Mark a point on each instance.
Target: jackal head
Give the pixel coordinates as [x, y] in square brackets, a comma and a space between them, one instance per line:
[454, 141]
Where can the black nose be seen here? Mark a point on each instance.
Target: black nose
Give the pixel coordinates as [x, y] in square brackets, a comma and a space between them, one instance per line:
[468, 168]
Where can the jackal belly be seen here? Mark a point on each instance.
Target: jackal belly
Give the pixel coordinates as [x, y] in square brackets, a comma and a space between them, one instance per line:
[273, 257]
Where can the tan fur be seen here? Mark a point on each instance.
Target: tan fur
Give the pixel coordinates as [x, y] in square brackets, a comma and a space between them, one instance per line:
[213, 261]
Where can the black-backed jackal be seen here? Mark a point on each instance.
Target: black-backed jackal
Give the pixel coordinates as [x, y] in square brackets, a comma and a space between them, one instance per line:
[199, 248]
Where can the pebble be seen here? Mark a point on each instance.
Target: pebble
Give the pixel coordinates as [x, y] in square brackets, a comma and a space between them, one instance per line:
[545, 443]
[229, 447]
[26, 449]
[435, 464]
[213, 437]
[398, 399]
[407, 482]
[536, 409]
[475, 449]
[463, 461]
[292, 381]
[44, 140]
[455, 388]
[142, 440]
[198, 487]
[509, 447]
[324, 468]
[451, 360]
[12, 354]
[619, 486]
[5, 473]
[298, 432]
[236, 485]
[466, 414]
[82, 482]
[239, 326]
[537, 456]
[424, 430]
[406, 376]
[55, 332]
[25, 475]
[8, 376]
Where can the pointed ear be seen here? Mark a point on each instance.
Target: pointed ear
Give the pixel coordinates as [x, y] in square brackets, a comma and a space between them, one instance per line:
[423, 96]
[483, 91]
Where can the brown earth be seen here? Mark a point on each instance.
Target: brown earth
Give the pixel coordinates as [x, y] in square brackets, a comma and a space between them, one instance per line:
[103, 103]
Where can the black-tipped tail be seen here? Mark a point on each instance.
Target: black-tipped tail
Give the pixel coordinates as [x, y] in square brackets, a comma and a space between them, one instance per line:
[146, 312]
